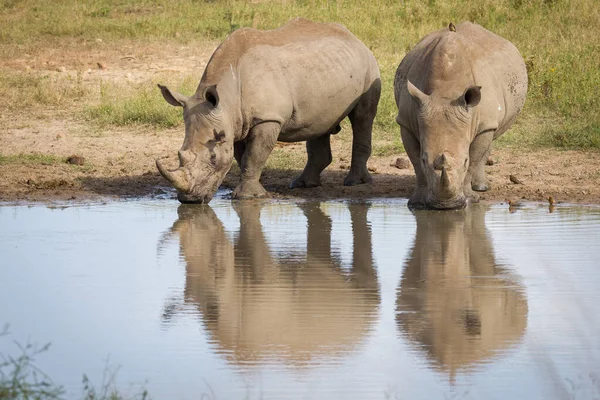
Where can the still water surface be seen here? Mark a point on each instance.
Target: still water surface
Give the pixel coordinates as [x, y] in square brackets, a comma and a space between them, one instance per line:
[333, 300]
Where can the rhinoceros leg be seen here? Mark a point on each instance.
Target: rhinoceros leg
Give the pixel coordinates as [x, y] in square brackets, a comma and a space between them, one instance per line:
[238, 152]
[413, 150]
[361, 117]
[479, 153]
[319, 157]
[259, 144]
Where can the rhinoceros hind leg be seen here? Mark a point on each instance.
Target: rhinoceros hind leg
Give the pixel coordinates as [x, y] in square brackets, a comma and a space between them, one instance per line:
[259, 144]
[361, 117]
[319, 157]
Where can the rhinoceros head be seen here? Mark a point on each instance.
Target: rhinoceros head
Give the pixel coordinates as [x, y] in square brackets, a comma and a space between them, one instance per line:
[446, 130]
[207, 151]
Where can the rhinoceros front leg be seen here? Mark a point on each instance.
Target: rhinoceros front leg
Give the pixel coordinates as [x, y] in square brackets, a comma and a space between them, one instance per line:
[479, 153]
[259, 144]
[361, 117]
[238, 152]
[413, 150]
[319, 157]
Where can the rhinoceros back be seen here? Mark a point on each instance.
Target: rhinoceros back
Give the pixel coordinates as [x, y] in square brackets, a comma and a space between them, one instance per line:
[480, 58]
[293, 73]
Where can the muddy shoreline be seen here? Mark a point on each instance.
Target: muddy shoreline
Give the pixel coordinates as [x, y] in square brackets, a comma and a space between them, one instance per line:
[119, 162]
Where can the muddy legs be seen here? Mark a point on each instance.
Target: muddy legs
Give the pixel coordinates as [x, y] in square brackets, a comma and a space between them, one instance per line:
[252, 157]
[319, 157]
[479, 153]
[413, 150]
[361, 118]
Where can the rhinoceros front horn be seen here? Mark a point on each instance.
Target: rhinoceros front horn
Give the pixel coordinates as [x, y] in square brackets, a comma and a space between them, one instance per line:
[178, 177]
[444, 179]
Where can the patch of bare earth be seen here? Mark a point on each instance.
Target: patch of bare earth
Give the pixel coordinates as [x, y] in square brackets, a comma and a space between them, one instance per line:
[119, 162]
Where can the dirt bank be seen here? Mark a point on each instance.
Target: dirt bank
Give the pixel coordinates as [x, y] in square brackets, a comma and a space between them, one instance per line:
[119, 162]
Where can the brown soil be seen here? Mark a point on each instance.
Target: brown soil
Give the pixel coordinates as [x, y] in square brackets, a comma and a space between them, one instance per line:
[119, 162]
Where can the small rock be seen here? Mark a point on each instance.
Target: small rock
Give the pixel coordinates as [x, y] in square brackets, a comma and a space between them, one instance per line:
[98, 40]
[89, 71]
[101, 65]
[60, 135]
[76, 160]
[28, 68]
[342, 158]
[177, 34]
[490, 161]
[61, 69]
[515, 180]
[372, 169]
[343, 167]
[401, 163]
[147, 173]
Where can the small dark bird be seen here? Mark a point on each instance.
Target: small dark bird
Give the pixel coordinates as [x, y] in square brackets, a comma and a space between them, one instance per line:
[451, 27]
[515, 180]
[551, 200]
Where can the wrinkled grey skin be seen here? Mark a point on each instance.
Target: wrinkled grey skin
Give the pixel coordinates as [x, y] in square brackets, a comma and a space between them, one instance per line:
[456, 92]
[295, 83]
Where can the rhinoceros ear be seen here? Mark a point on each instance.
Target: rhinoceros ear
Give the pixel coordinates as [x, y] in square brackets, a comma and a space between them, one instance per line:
[472, 96]
[173, 98]
[416, 93]
[211, 95]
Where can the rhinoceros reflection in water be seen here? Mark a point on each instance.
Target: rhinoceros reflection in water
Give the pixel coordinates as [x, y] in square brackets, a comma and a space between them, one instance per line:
[294, 307]
[453, 299]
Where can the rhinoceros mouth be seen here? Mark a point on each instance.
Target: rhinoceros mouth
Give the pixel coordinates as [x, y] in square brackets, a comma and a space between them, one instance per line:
[187, 198]
[447, 204]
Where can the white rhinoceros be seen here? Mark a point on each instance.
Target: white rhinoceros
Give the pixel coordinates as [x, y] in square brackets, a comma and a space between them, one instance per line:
[295, 83]
[456, 91]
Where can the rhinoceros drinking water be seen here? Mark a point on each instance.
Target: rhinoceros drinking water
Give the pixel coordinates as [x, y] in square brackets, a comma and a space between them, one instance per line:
[456, 91]
[295, 83]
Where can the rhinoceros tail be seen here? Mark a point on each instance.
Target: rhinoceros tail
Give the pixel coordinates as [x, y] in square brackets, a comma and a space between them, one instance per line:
[451, 27]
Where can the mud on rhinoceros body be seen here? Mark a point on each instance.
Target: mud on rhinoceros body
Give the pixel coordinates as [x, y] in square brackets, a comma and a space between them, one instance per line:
[295, 83]
[456, 91]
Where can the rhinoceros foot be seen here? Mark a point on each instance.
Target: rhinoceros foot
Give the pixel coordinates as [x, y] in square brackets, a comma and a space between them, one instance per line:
[353, 179]
[249, 190]
[304, 182]
[418, 199]
[480, 185]
[470, 195]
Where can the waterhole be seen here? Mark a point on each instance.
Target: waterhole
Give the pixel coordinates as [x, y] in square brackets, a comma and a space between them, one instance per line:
[329, 300]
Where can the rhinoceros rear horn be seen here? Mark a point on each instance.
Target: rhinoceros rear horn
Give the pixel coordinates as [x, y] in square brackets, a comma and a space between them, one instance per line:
[416, 93]
[472, 96]
[173, 98]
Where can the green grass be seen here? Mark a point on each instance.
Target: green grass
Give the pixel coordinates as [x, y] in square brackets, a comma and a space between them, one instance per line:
[22, 90]
[559, 39]
[36, 158]
[21, 379]
[142, 105]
